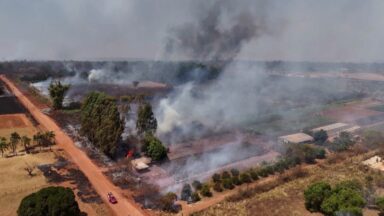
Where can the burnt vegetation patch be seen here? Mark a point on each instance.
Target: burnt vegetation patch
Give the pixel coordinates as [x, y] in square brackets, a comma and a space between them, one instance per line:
[10, 105]
[63, 171]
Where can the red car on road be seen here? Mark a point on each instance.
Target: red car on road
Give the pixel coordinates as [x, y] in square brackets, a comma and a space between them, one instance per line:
[111, 198]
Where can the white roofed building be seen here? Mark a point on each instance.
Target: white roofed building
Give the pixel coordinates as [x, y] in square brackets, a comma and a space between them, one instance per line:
[295, 138]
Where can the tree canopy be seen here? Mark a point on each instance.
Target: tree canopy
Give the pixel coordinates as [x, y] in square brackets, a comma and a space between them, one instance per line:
[146, 121]
[57, 92]
[345, 198]
[153, 147]
[50, 201]
[100, 122]
[320, 137]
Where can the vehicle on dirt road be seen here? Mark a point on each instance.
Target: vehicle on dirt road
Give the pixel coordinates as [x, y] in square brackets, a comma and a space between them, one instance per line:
[111, 198]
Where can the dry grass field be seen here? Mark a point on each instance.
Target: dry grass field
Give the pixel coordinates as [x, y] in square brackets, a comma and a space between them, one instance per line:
[288, 199]
[16, 184]
[15, 181]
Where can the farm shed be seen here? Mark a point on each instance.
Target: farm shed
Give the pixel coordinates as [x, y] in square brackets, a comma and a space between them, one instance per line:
[333, 129]
[141, 163]
[295, 138]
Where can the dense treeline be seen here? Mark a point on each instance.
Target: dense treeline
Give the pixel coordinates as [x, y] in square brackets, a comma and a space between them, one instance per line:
[101, 122]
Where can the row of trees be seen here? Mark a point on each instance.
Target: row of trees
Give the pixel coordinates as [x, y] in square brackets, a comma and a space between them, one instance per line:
[45, 139]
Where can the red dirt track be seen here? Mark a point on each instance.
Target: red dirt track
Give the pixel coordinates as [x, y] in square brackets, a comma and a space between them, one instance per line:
[99, 181]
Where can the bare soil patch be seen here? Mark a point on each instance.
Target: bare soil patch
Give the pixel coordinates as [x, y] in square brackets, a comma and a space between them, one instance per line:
[14, 120]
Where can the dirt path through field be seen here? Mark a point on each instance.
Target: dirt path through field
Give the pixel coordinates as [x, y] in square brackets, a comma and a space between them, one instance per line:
[99, 181]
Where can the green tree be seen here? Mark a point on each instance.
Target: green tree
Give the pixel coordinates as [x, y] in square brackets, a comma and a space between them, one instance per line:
[101, 122]
[146, 121]
[245, 178]
[14, 141]
[3, 145]
[49, 138]
[380, 205]
[154, 148]
[186, 192]
[167, 202]
[38, 139]
[57, 92]
[342, 200]
[206, 191]
[195, 197]
[320, 137]
[216, 178]
[50, 201]
[342, 142]
[315, 194]
[235, 172]
[26, 143]
[197, 185]
[228, 184]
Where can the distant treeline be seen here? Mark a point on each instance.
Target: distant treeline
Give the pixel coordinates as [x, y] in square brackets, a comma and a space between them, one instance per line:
[166, 71]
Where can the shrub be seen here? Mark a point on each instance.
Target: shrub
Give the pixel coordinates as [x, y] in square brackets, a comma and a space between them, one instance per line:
[186, 192]
[167, 203]
[236, 180]
[225, 175]
[235, 172]
[254, 175]
[216, 178]
[197, 185]
[342, 142]
[195, 197]
[315, 194]
[228, 184]
[343, 199]
[206, 191]
[217, 187]
[320, 137]
[245, 178]
[154, 148]
[50, 201]
[380, 205]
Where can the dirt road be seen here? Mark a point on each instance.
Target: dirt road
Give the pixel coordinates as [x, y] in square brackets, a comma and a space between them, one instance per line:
[100, 182]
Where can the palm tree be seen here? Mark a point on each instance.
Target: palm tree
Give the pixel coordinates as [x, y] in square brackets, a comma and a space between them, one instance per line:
[50, 136]
[26, 142]
[14, 141]
[38, 139]
[3, 145]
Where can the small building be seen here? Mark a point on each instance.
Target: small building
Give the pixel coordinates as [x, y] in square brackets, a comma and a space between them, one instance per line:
[333, 129]
[141, 164]
[295, 138]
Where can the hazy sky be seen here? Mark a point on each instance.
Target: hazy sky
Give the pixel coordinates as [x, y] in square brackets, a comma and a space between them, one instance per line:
[315, 30]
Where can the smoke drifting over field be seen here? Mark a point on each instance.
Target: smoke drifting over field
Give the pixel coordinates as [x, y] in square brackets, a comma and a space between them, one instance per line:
[212, 37]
